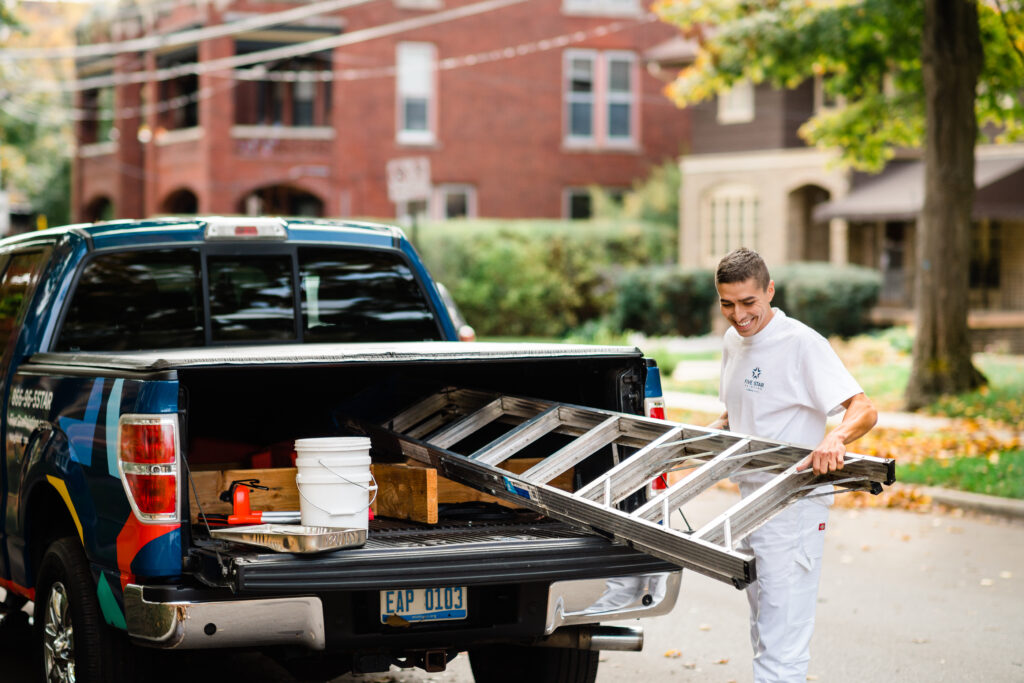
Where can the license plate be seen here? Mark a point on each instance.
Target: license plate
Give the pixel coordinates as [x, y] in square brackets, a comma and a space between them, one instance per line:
[424, 604]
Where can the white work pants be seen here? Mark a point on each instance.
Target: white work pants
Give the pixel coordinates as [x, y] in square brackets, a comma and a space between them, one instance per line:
[788, 551]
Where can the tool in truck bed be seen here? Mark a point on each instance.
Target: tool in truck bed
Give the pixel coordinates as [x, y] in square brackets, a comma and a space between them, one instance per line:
[432, 430]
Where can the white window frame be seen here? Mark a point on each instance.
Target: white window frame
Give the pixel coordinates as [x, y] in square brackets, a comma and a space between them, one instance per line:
[603, 8]
[600, 99]
[415, 76]
[737, 104]
[440, 203]
[630, 98]
[730, 217]
[821, 103]
[570, 97]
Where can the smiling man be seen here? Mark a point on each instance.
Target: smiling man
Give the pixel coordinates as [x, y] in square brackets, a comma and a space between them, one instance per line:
[780, 381]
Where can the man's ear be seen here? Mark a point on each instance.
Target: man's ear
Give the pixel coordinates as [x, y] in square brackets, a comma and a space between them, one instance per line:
[771, 290]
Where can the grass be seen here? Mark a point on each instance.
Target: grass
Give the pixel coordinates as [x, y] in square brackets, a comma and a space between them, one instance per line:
[998, 474]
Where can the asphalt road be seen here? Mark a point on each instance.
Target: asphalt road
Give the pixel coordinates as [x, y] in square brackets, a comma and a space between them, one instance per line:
[904, 596]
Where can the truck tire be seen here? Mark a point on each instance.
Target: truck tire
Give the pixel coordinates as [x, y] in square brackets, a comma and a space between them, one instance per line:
[74, 643]
[511, 663]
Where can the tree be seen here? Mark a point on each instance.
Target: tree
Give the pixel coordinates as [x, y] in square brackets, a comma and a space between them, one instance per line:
[36, 138]
[906, 74]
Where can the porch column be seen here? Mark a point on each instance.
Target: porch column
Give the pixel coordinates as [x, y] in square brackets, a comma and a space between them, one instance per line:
[839, 243]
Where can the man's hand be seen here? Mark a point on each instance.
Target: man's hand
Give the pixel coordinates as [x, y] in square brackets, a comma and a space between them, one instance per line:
[827, 457]
[860, 417]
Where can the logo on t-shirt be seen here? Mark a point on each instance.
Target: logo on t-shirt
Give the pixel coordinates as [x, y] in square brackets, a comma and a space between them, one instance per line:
[754, 383]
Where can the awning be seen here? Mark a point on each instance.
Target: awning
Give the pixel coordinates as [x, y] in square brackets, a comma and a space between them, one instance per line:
[897, 193]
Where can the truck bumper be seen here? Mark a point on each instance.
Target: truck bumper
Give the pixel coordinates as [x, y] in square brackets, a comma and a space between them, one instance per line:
[190, 625]
[299, 620]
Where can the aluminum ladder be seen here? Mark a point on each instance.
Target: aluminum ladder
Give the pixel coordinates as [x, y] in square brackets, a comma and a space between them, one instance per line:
[431, 430]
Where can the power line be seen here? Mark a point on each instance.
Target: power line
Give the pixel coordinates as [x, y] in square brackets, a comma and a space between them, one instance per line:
[273, 54]
[179, 38]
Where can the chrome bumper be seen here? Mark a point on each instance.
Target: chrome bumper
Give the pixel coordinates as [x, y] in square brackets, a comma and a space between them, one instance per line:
[300, 620]
[229, 623]
[589, 601]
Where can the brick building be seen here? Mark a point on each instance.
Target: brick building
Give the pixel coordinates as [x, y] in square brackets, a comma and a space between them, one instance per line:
[519, 106]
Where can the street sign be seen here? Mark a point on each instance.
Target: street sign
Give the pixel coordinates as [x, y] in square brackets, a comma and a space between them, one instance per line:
[408, 179]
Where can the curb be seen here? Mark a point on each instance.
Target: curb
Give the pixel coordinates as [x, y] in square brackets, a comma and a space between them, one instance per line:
[976, 502]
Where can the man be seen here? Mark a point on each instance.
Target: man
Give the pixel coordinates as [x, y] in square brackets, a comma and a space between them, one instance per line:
[780, 381]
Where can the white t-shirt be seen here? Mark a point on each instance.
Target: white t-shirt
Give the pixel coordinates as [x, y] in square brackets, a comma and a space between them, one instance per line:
[782, 384]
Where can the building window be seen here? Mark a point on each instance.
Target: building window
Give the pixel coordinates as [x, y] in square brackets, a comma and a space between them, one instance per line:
[456, 201]
[601, 7]
[98, 123]
[730, 220]
[416, 65]
[601, 97]
[985, 255]
[577, 203]
[294, 93]
[737, 104]
[823, 101]
[620, 97]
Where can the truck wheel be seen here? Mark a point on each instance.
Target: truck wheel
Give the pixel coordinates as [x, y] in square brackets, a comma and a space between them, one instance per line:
[75, 642]
[510, 663]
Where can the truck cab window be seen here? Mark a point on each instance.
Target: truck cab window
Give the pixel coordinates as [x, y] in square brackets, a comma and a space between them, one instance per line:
[15, 288]
[157, 296]
[251, 298]
[351, 295]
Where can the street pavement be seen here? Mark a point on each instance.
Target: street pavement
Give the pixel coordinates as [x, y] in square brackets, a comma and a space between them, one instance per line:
[905, 596]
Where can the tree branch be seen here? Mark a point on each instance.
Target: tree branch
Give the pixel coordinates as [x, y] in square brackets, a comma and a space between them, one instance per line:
[1009, 31]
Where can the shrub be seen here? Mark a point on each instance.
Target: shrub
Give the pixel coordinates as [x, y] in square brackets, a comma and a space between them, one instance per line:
[834, 300]
[537, 278]
[665, 301]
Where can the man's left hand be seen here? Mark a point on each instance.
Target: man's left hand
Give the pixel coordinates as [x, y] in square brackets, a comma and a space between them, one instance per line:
[827, 457]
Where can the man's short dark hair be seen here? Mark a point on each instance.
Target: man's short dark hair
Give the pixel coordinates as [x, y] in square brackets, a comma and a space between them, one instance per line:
[742, 264]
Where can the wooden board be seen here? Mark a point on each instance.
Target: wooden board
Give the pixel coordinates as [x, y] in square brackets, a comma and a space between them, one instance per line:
[405, 491]
[282, 493]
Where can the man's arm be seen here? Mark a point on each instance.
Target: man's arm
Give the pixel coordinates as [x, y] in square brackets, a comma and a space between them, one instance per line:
[722, 422]
[860, 417]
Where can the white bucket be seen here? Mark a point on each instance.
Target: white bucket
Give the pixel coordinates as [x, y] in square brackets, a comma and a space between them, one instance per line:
[334, 481]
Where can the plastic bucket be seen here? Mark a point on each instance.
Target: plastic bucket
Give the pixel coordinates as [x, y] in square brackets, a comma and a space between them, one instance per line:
[334, 481]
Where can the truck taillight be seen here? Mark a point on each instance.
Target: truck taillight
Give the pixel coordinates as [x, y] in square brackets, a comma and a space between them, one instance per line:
[148, 463]
[656, 408]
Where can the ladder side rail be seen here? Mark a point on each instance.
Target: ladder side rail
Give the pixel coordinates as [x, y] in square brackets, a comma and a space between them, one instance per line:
[459, 430]
[870, 467]
[431, 424]
[701, 479]
[658, 540]
[574, 452]
[517, 438]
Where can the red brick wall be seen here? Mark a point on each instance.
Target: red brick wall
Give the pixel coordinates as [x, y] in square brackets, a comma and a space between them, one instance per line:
[499, 124]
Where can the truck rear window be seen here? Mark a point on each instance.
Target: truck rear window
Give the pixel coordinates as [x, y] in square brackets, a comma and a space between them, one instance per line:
[153, 299]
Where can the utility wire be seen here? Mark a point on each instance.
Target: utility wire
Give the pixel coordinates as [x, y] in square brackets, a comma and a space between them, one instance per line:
[307, 47]
[179, 38]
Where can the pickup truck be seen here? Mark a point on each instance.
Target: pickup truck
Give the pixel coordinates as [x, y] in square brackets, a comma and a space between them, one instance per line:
[138, 353]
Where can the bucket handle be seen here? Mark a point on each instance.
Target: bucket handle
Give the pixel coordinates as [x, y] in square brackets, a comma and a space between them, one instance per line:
[371, 487]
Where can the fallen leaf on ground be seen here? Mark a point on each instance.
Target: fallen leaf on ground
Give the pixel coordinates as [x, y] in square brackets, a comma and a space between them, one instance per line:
[1005, 575]
[986, 582]
[705, 627]
[920, 641]
[673, 654]
[722, 661]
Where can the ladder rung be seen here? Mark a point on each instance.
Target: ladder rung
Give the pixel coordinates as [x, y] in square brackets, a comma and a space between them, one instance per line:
[517, 438]
[701, 479]
[752, 511]
[457, 431]
[637, 470]
[573, 453]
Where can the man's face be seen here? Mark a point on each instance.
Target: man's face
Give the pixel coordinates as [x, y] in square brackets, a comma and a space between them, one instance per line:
[745, 305]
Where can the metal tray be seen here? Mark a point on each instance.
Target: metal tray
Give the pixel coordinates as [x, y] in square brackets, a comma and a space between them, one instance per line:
[293, 538]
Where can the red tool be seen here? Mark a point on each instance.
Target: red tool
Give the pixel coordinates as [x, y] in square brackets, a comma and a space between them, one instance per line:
[242, 512]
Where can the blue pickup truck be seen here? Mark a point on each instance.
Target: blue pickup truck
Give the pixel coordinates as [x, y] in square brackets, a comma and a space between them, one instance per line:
[137, 353]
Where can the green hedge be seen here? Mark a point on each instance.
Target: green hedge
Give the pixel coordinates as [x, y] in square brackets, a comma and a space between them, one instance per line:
[834, 300]
[664, 301]
[537, 278]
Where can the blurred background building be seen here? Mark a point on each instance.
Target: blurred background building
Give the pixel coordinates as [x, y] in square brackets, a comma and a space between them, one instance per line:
[254, 107]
